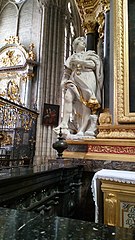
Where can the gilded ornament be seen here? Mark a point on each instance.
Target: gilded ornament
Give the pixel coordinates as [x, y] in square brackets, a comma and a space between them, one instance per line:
[101, 21]
[11, 59]
[109, 149]
[31, 54]
[12, 40]
[13, 91]
[105, 118]
[121, 59]
[7, 140]
[90, 26]
[106, 5]
[110, 206]
[113, 132]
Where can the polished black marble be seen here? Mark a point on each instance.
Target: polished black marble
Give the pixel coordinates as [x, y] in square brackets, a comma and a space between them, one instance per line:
[16, 225]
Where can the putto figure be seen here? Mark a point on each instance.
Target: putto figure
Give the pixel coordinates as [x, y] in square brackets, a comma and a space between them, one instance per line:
[82, 83]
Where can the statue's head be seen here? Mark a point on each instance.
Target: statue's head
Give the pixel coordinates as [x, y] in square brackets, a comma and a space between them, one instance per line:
[77, 41]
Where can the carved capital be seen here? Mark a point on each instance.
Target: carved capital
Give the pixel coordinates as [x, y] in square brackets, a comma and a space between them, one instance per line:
[90, 26]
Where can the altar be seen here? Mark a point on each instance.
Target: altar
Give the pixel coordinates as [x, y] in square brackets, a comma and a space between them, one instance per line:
[114, 196]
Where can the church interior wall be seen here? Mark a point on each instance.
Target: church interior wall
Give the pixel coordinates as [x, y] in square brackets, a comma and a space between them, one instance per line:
[43, 23]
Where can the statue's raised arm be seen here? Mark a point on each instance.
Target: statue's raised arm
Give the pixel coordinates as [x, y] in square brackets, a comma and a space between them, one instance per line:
[82, 83]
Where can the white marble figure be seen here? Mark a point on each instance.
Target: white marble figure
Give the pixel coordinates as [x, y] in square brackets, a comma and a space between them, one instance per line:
[82, 82]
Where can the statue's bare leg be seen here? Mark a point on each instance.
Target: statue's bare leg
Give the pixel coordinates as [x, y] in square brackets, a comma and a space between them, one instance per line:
[85, 119]
[93, 125]
[68, 105]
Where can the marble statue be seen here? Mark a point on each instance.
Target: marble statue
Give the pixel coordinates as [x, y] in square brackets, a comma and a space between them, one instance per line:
[82, 83]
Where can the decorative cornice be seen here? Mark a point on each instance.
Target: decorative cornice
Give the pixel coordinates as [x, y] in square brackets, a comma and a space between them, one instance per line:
[116, 132]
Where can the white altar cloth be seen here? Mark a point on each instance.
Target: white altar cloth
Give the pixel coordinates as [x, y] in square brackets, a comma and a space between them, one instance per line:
[112, 175]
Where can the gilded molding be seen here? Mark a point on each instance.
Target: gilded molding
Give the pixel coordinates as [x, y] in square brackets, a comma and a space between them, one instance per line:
[121, 63]
[110, 149]
[13, 91]
[105, 132]
[119, 196]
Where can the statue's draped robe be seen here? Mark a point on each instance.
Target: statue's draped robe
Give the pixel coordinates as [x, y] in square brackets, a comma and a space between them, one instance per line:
[86, 78]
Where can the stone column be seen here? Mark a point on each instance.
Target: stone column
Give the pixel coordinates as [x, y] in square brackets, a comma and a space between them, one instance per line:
[91, 41]
[91, 35]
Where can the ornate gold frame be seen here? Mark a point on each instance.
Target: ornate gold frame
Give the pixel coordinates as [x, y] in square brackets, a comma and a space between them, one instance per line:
[121, 63]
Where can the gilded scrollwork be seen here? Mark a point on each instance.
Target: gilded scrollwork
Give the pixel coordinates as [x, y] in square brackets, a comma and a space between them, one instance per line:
[11, 59]
[13, 115]
[13, 91]
[7, 139]
[12, 40]
[105, 132]
[109, 149]
[101, 21]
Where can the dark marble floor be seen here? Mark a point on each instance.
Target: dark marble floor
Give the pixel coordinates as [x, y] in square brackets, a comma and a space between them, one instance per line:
[16, 225]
